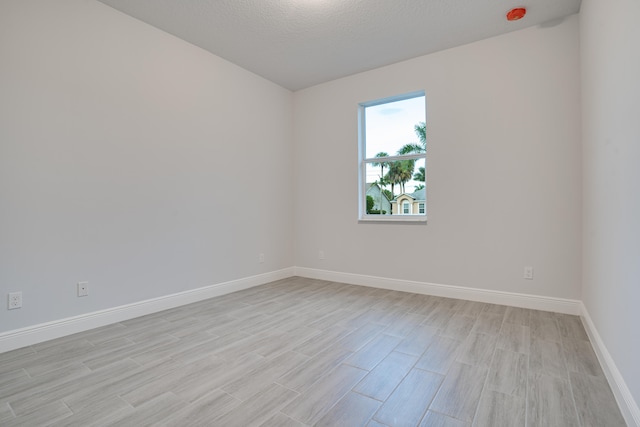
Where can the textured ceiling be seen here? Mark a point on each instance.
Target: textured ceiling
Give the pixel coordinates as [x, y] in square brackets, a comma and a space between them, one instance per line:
[300, 43]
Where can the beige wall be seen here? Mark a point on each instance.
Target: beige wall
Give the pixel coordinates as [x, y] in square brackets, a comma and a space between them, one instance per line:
[611, 139]
[120, 146]
[504, 168]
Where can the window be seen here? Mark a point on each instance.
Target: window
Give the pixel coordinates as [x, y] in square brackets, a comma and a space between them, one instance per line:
[392, 158]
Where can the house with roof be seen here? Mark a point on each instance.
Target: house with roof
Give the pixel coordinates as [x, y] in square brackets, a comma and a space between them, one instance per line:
[410, 203]
[380, 200]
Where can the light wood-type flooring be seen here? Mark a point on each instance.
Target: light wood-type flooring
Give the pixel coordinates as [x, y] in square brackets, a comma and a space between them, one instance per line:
[302, 352]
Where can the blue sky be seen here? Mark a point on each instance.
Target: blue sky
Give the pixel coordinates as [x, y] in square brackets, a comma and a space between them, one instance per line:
[390, 126]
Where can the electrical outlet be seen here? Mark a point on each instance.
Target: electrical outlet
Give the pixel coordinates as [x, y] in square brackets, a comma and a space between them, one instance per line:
[321, 254]
[83, 289]
[14, 300]
[528, 273]
[261, 258]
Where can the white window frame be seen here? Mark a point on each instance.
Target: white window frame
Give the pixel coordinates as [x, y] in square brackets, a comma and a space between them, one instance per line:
[363, 161]
[408, 205]
[422, 206]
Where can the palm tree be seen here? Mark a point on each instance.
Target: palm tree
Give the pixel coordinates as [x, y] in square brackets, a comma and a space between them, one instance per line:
[406, 173]
[400, 172]
[421, 131]
[381, 164]
[421, 146]
[419, 176]
[382, 180]
[393, 176]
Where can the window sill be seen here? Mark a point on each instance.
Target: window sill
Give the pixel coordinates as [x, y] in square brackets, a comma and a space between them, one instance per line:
[396, 219]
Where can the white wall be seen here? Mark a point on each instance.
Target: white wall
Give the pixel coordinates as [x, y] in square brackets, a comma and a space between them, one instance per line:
[610, 40]
[503, 168]
[132, 160]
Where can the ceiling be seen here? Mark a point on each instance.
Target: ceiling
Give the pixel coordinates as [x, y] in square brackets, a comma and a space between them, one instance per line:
[301, 43]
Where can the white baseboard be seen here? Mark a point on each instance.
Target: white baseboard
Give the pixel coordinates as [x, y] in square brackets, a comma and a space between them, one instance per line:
[628, 406]
[536, 302]
[30, 335]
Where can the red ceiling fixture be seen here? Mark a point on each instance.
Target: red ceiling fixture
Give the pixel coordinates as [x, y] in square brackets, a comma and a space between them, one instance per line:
[516, 14]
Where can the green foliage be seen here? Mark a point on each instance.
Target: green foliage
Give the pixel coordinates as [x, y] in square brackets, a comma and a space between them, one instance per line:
[421, 147]
[418, 187]
[388, 194]
[400, 172]
[421, 131]
[370, 203]
[419, 176]
[376, 212]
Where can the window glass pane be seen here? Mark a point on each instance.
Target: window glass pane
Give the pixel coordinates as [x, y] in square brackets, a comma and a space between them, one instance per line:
[392, 156]
[390, 127]
[404, 176]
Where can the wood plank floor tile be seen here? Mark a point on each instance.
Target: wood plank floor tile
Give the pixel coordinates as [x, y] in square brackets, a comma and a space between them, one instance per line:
[488, 323]
[5, 413]
[371, 354]
[470, 308]
[322, 340]
[514, 337]
[439, 317]
[477, 349]
[213, 374]
[364, 318]
[581, 358]
[39, 388]
[204, 411]
[595, 402]
[517, 315]
[544, 326]
[434, 419]
[417, 342]
[359, 337]
[425, 307]
[408, 403]
[404, 325]
[116, 350]
[281, 420]
[153, 412]
[58, 384]
[508, 373]
[105, 410]
[550, 402]
[305, 375]
[109, 381]
[384, 378]
[571, 327]
[13, 378]
[547, 358]
[495, 308]
[259, 379]
[41, 415]
[312, 405]
[259, 408]
[440, 355]
[353, 410]
[458, 327]
[460, 392]
[500, 410]
[279, 355]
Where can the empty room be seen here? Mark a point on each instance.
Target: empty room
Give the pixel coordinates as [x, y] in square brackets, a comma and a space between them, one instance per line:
[319, 213]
